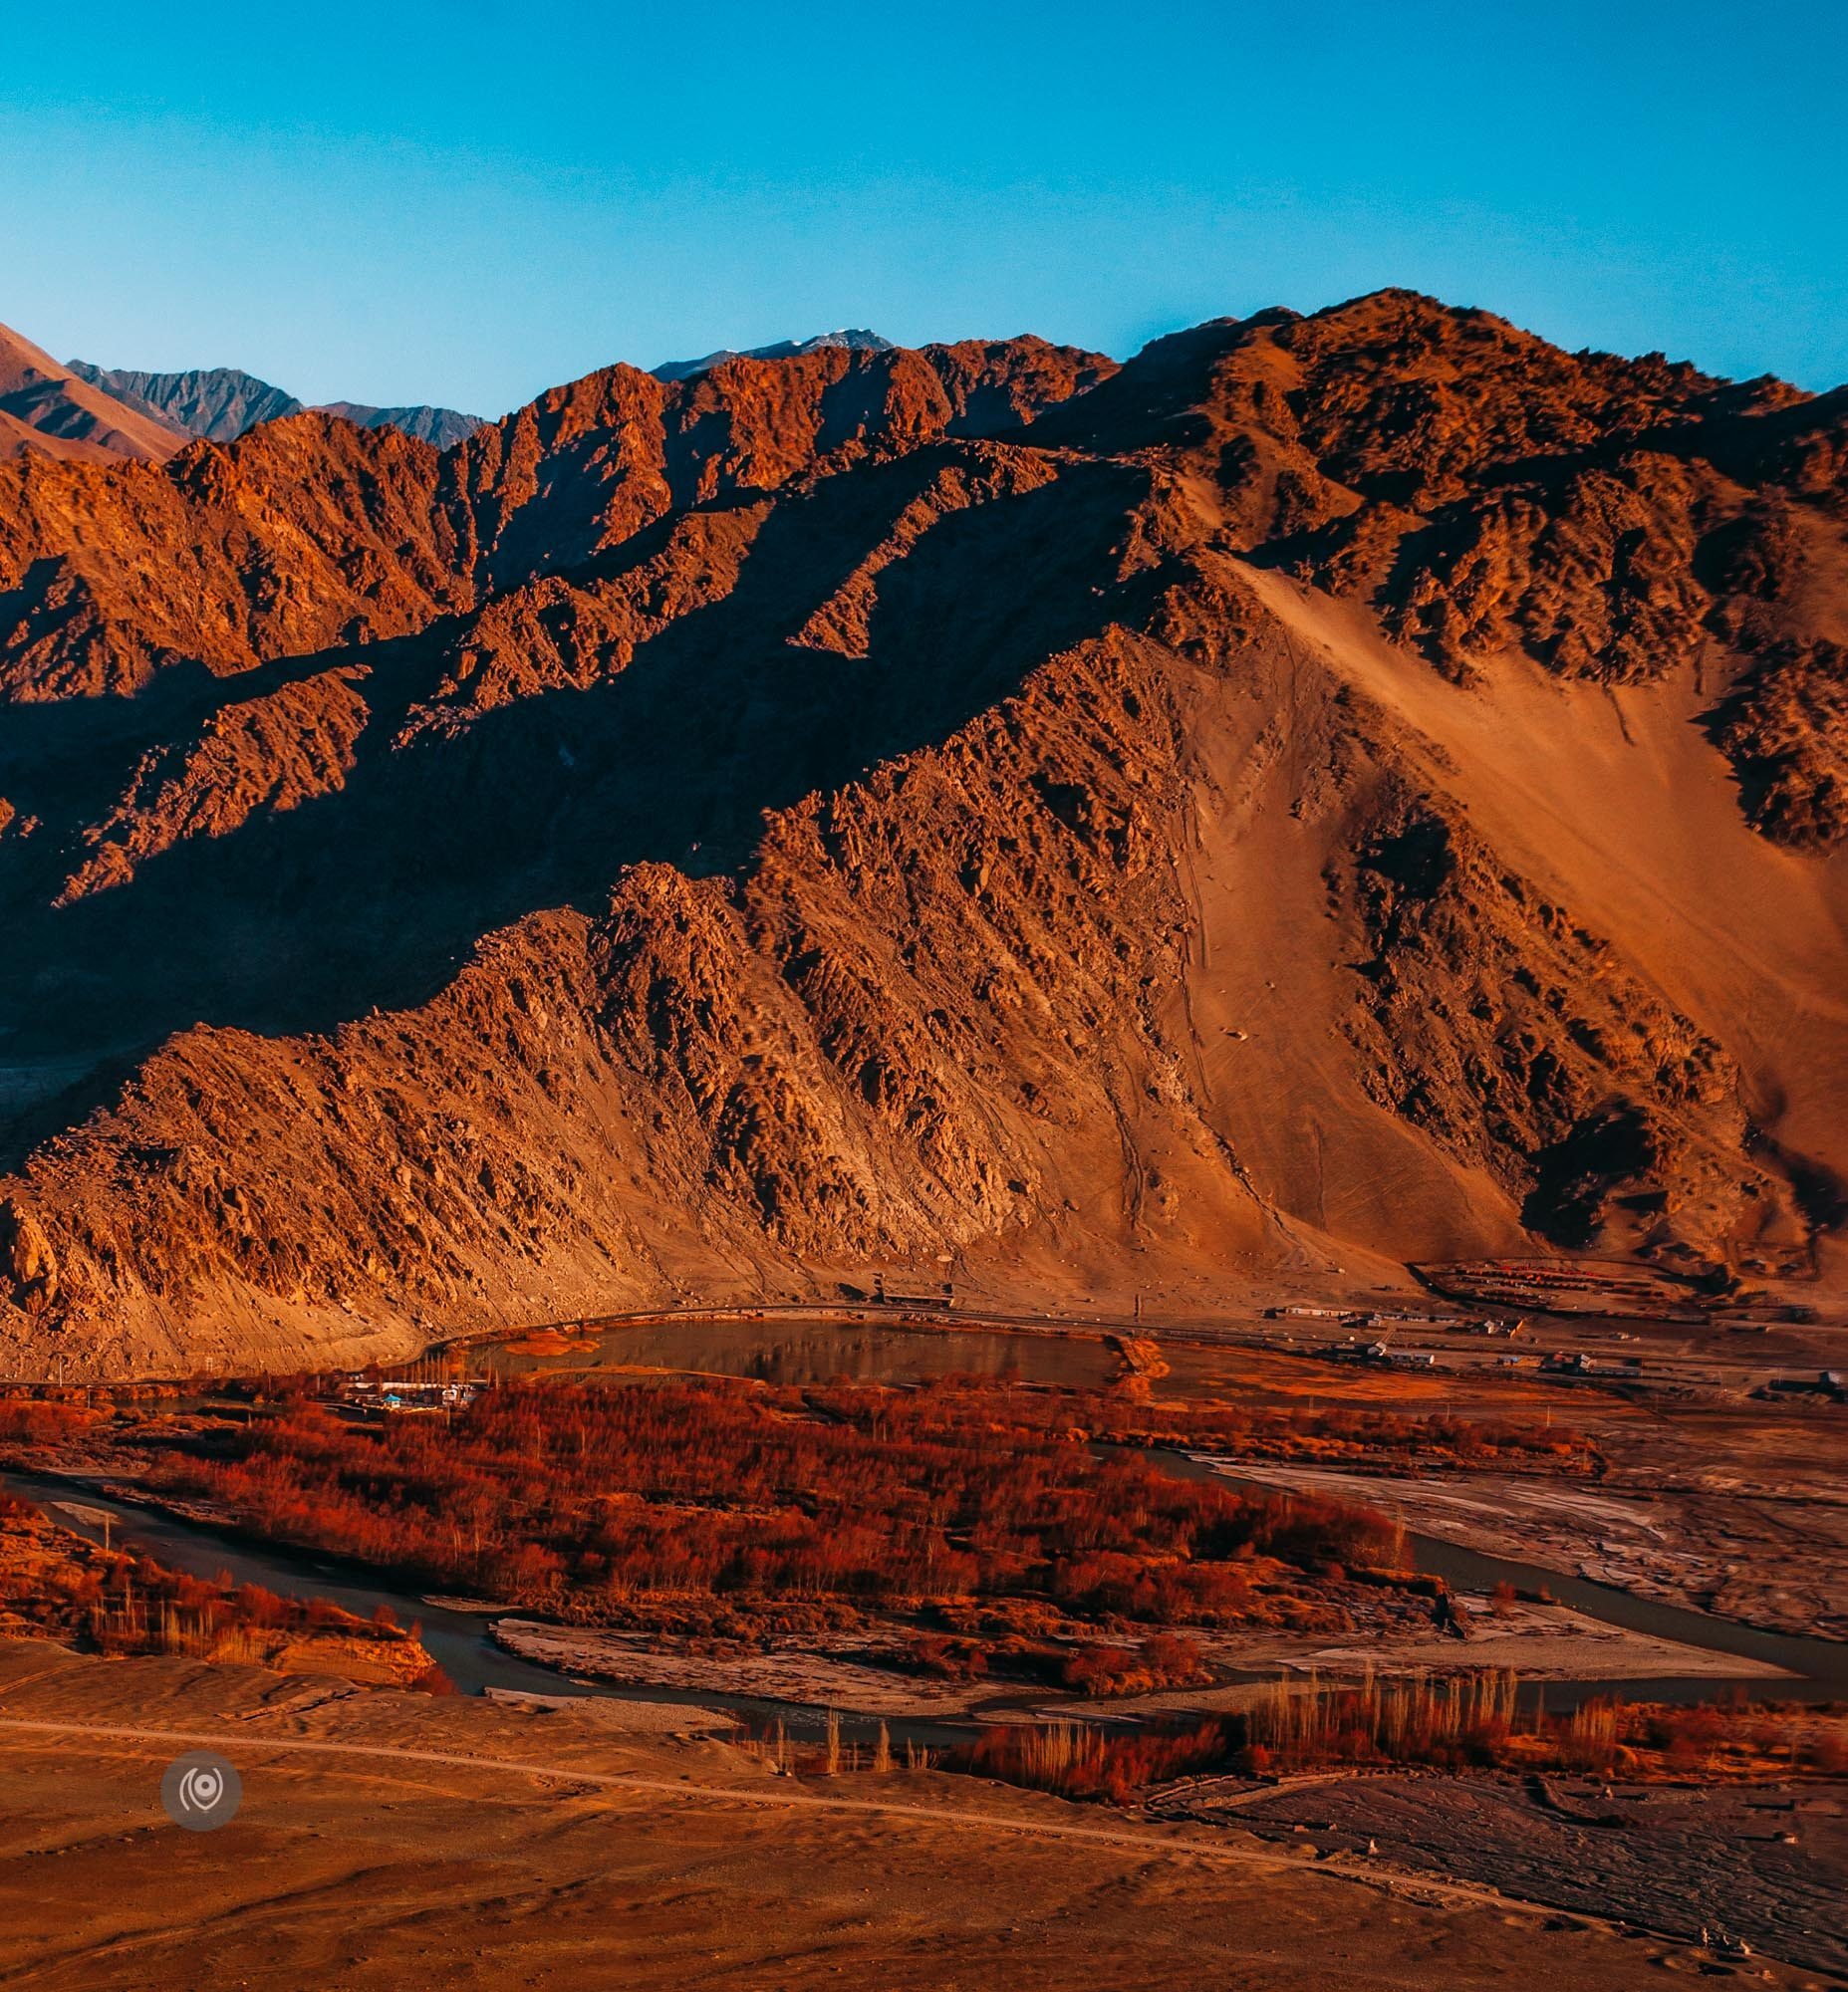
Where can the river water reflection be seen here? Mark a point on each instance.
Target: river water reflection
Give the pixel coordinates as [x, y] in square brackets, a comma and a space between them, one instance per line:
[782, 1349]
[786, 1350]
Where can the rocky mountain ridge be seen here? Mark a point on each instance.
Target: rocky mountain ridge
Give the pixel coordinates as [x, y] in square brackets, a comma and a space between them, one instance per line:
[1331, 792]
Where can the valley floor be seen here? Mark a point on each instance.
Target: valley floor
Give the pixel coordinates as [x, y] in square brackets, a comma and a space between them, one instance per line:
[388, 1840]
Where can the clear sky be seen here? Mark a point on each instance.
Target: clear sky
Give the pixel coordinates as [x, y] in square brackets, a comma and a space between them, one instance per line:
[465, 203]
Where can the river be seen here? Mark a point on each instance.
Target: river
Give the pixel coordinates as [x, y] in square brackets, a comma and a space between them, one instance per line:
[460, 1642]
[1820, 1667]
[815, 1352]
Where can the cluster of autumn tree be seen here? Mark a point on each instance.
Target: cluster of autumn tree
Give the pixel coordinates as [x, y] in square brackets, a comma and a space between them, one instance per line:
[1481, 1719]
[1348, 1434]
[1466, 1722]
[31, 1422]
[735, 1509]
[1078, 1760]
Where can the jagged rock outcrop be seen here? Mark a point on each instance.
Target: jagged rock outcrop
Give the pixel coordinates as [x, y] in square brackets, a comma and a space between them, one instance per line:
[27, 1266]
[1497, 1022]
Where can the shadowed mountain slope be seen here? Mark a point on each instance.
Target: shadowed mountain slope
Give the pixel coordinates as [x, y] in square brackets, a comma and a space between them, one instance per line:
[1331, 792]
[215, 403]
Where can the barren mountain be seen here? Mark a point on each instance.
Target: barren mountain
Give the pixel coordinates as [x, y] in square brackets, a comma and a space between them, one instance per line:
[48, 411]
[1332, 792]
[216, 402]
[221, 403]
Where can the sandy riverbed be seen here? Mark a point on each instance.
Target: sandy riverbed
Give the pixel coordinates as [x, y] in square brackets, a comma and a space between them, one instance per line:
[1767, 1559]
[801, 1675]
[1539, 1641]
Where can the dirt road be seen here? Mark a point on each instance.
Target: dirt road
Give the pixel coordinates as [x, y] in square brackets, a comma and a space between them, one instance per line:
[387, 1840]
[1153, 1841]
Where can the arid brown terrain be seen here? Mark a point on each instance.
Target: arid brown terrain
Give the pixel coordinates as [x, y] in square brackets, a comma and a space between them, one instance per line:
[1332, 792]
[388, 1839]
[1342, 1745]
[51, 411]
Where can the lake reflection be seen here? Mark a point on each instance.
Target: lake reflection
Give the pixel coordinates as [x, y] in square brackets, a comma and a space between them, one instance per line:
[817, 1352]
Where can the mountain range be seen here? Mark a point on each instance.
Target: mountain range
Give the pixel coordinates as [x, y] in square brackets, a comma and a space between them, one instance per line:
[1329, 793]
[220, 403]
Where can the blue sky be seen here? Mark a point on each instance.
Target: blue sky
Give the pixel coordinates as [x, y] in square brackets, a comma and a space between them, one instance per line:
[465, 203]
